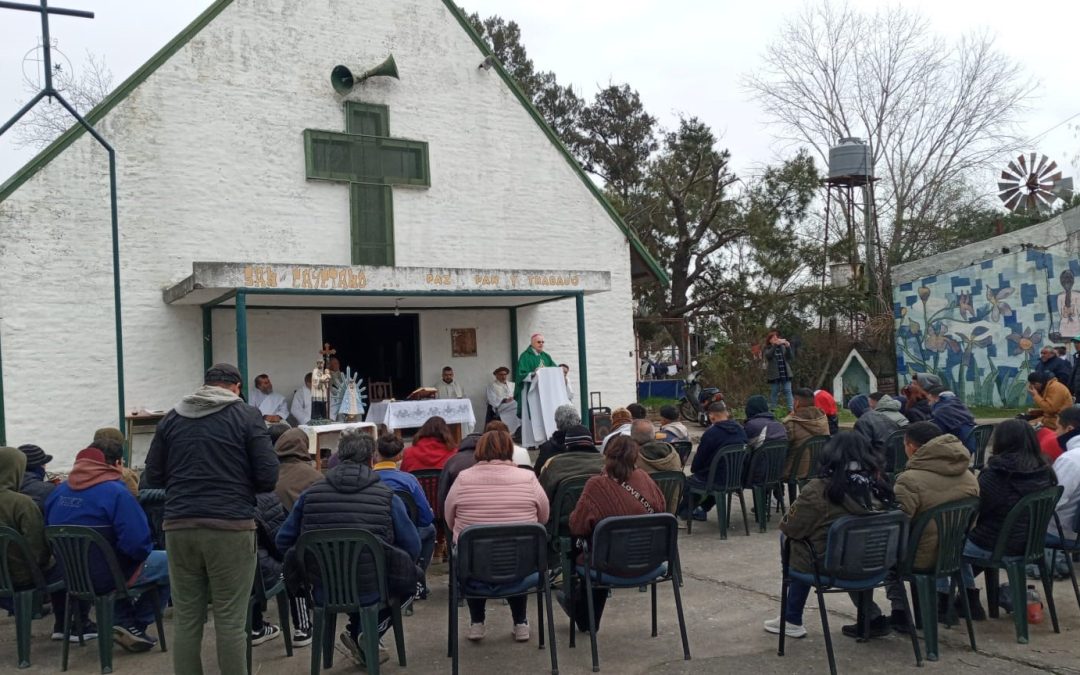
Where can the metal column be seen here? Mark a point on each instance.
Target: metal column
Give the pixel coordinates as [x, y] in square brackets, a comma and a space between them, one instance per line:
[513, 342]
[241, 342]
[207, 337]
[3, 426]
[583, 370]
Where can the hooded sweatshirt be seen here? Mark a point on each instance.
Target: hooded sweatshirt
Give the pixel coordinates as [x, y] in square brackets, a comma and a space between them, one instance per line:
[1001, 484]
[296, 472]
[18, 512]
[890, 407]
[426, 453]
[937, 473]
[658, 456]
[953, 417]
[96, 496]
[717, 436]
[874, 426]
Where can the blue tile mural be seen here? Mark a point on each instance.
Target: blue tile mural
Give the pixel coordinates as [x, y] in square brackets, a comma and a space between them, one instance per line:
[980, 328]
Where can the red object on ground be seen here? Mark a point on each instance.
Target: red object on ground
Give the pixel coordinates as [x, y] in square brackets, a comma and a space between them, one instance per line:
[1034, 606]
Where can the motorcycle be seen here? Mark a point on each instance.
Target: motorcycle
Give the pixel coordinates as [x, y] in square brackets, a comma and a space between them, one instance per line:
[696, 399]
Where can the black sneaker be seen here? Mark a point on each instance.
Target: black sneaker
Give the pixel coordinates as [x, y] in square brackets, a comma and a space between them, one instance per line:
[301, 638]
[898, 622]
[879, 627]
[89, 632]
[269, 632]
[133, 639]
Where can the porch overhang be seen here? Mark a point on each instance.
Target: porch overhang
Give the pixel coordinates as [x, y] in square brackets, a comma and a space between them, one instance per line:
[284, 285]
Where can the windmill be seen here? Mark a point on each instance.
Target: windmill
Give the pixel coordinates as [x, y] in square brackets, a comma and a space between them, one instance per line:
[1025, 186]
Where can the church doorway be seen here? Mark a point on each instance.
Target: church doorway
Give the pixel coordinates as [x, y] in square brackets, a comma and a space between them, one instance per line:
[380, 347]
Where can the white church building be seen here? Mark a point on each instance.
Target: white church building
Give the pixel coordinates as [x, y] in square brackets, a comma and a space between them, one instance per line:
[415, 223]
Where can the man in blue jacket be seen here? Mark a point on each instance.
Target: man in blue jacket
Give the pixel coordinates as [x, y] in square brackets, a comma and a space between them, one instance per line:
[723, 432]
[95, 495]
[388, 454]
[951, 415]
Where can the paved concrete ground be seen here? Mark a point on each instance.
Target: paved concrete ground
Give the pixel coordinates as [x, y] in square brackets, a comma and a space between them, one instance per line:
[730, 588]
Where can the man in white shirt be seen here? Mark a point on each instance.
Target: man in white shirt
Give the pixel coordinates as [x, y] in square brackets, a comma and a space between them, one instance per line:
[301, 402]
[448, 388]
[500, 396]
[1067, 468]
[272, 406]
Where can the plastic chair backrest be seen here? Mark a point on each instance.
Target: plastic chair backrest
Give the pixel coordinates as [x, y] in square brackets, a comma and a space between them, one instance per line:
[982, 433]
[566, 498]
[339, 555]
[72, 545]
[500, 554]
[863, 547]
[895, 453]
[953, 520]
[12, 543]
[429, 483]
[672, 484]
[410, 504]
[630, 546]
[812, 447]
[733, 459]
[683, 448]
[773, 454]
[1037, 509]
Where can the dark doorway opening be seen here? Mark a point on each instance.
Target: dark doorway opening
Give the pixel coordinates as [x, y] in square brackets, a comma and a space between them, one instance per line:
[380, 347]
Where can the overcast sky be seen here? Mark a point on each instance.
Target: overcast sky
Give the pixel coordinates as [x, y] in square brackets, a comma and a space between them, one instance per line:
[683, 56]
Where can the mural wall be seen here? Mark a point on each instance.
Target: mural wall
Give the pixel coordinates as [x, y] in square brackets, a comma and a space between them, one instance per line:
[980, 328]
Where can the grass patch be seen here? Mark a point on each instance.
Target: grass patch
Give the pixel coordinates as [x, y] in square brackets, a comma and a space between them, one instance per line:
[657, 402]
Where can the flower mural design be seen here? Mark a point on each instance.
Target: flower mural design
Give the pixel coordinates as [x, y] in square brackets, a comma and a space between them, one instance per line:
[937, 339]
[1000, 308]
[1024, 342]
[967, 308]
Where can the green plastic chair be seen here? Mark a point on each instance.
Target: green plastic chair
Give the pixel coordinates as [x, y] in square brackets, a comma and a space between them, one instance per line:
[26, 600]
[982, 433]
[72, 545]
[558, 525]
[813, 447]
[672, 484]
[953, 520]
[683, 448]
[337, 555]
[895, 454]
[260, 596]
[1036, 509]
[772, 455]
[733, 460]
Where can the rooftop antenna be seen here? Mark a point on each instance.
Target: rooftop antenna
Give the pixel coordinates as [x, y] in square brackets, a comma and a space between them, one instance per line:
[49, 91]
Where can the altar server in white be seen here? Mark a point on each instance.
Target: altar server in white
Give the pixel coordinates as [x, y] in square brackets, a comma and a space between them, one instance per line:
[500, 396]
[272, 405]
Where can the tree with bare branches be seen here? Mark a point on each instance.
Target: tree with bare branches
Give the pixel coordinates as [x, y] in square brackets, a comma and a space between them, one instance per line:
[937, 114]
[84, 88]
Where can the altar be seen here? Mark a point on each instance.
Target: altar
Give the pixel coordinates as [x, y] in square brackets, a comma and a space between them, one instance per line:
[411, 414]
[328, 434]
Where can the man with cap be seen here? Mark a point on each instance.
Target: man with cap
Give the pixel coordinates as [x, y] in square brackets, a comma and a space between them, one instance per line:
[500, 398]
[951, 415]
[532, 358]
[579, 457]
[212, 454]
[34, 484]
[94, 495]
[1074, 375]
[621, 419]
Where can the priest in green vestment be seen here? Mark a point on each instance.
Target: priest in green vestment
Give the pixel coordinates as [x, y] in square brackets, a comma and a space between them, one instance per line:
[532, 358]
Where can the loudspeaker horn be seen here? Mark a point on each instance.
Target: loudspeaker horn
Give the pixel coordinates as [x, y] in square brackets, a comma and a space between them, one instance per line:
[343, 79]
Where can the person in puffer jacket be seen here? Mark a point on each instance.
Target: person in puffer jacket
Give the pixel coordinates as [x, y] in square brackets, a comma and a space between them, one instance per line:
[875, 426]
[890, 407]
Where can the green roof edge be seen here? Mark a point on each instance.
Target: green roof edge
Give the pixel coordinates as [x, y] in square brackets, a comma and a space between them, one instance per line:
[139, 76]
[109, 102]
[635, 243]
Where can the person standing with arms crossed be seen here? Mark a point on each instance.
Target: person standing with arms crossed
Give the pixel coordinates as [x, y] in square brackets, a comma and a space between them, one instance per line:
[212, 454]
[778, 357]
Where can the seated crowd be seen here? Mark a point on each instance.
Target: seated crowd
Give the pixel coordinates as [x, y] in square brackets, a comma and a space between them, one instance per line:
[240, 495]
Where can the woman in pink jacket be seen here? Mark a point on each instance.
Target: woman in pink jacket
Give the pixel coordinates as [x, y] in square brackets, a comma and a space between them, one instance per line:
[495, 491]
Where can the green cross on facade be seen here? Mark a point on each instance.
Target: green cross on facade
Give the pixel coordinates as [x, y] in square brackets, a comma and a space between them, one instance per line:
[370, 161]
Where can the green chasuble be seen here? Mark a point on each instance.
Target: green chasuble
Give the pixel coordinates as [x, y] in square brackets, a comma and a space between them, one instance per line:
[529, 361]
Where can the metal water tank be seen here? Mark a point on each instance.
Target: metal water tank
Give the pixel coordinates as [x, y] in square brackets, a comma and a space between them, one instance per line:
[850, 157]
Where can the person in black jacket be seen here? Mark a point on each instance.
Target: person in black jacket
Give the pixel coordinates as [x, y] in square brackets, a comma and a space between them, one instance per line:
[1074, 362]
[212, 455]
[34, 484]
[1015, 469]
[723, 432]
[1050, 362]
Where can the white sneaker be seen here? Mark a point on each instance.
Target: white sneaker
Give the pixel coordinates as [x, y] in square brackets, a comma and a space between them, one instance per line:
[476, 632]
[521, 632]
[792, 630]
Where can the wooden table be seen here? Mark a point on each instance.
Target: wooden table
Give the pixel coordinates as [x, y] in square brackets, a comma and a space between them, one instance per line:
[331, 432]
[139, 423]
